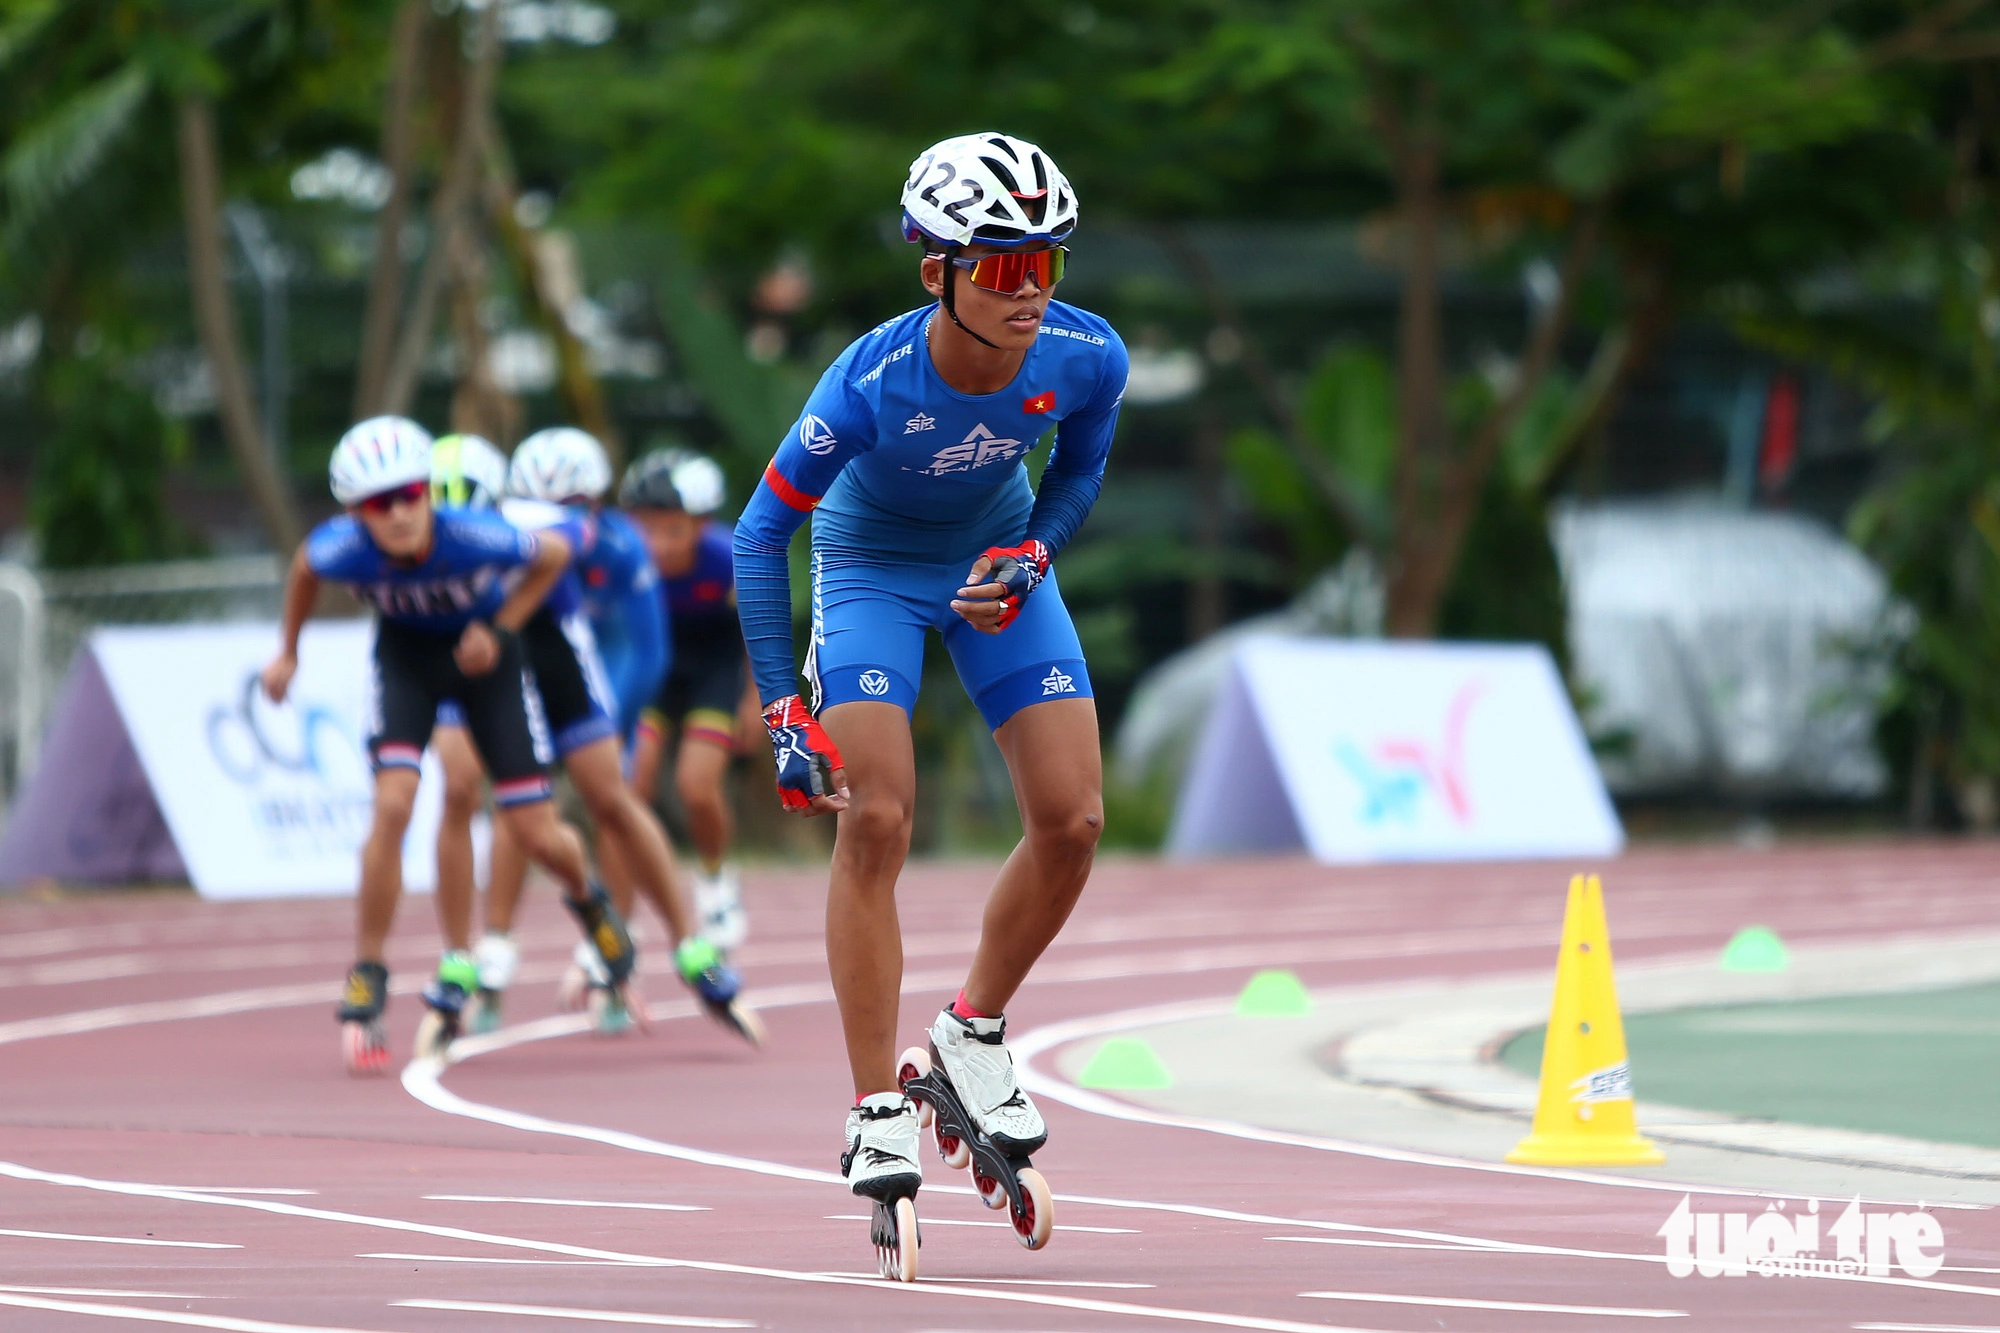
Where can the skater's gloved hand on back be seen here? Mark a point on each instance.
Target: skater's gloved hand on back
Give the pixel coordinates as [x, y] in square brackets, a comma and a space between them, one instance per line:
[811, 777]
[277, 676]
[999, 582]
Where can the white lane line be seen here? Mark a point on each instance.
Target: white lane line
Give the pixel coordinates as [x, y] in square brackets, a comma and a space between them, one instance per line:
[962, 1222]
[572, 1203]
[1526, 1307]
[421, 1079]
[1158, 1313]
[225, 1322]
[566, 1312]
[1038, 1041]
[218, 1005]
[497, 1259]
[123, 1240]
[1392, 1244]
[104, 1291]
[1932, 1328]
[1022, 1281]
[241, 1189]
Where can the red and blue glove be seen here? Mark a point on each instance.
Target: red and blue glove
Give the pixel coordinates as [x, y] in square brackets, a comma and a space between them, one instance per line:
[806, 758]
[1020, 570]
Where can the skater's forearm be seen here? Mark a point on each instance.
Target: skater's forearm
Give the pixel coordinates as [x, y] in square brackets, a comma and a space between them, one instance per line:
[301, 594]
[551, 558]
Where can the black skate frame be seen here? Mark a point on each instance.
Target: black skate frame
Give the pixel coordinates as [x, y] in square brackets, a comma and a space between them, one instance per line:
[882, 1231]
[988, 1158]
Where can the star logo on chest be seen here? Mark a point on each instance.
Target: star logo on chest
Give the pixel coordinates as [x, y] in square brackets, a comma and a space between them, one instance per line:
[919, 422]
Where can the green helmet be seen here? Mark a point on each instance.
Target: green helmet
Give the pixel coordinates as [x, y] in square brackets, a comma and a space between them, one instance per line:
[467, 472]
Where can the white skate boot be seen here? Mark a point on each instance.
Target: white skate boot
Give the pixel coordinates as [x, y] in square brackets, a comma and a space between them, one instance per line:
[880, 1163]
[584, 974]
[498, 958]
[880, 1160]
[977, 1064]
[718, 900]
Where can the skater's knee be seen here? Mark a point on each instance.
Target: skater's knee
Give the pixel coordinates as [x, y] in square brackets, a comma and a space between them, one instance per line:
[395, 802]
[462, 796]
[697, 791]
[1067, 834]
[878, 820]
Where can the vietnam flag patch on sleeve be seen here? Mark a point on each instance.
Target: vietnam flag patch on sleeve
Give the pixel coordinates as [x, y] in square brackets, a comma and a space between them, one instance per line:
[1041, 402]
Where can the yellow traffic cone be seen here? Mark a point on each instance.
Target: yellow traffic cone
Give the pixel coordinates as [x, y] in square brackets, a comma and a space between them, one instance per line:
[1584, 1114]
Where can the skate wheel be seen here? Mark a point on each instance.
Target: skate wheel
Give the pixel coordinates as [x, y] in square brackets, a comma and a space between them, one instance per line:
[914, 1064]
[485, 1011]
[957, 1154]
[363, 1049]
[747, 1023]
[902, 1261]
[1036, 1217]
[573, 991]
[991, 1192]
[608, 1014]
[433, 1036]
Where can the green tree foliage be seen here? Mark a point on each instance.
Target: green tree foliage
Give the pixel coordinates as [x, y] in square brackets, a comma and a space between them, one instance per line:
[1919, 329]
[100, 492]
[94, 102]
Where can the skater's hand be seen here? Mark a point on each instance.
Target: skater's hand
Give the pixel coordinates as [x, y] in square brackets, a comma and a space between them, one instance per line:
[999, 581]
[812, 780]
[478, 650]
[277, 677]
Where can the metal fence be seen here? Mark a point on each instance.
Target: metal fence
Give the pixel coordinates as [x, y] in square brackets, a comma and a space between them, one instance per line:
[46, 615]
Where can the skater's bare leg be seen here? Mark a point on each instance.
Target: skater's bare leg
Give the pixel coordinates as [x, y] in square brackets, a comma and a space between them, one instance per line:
[550, 844]
[382, 860]
[649, 750]
[864, 940]
[1052, 753]
[699, 776]
[464, 779]
[506, 879]
[616, 872]
[621, 818]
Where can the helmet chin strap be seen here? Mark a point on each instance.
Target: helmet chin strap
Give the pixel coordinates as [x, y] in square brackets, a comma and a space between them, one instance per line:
[950, 302]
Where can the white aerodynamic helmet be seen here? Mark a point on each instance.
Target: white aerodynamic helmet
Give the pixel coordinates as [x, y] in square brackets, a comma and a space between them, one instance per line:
[699, 480]
[559, 464]
[379, 455]
[467, 472]
[991, 188]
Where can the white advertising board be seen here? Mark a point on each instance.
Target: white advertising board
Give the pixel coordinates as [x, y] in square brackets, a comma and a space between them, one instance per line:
[259, 800]
[1369, 751]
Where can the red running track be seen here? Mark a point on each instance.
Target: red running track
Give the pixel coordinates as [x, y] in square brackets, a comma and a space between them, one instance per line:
[178, 1145]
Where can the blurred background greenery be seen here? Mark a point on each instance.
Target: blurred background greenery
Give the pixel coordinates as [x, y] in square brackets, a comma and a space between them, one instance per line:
[1398, 276]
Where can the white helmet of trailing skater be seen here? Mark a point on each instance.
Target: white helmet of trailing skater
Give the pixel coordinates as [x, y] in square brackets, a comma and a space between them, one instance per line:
[467, 472]
[991, 188]
[699, 480]
[560, 464]
[379, 455]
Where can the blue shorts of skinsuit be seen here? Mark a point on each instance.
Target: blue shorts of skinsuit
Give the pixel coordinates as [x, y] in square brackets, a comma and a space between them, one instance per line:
[869, 620]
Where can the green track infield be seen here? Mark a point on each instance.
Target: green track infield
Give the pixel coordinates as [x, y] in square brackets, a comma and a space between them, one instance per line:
[1923, 1065]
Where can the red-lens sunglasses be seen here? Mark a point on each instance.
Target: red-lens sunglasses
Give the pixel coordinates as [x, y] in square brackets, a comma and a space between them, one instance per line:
[1004, 271]
[385, 501]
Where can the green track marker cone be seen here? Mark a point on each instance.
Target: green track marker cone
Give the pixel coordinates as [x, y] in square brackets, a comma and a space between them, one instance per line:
[1274, 994]
[1755, 949]
[1124, 1062]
